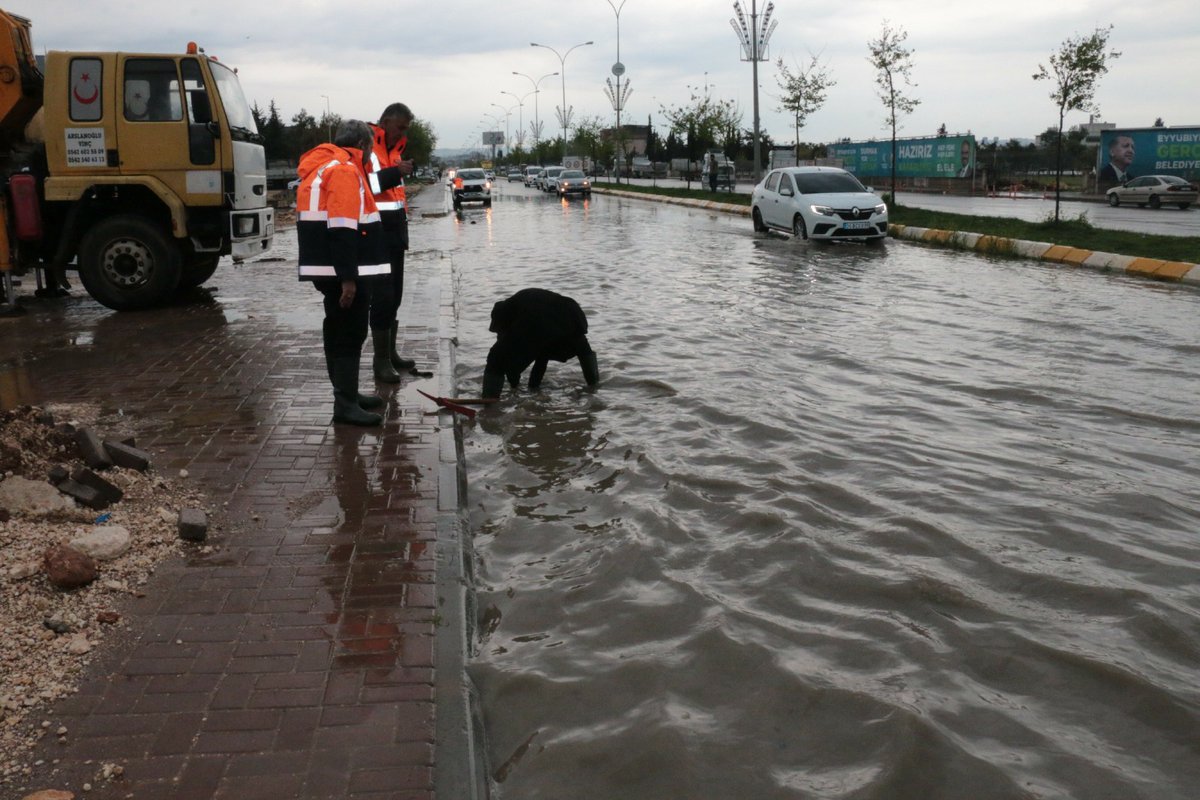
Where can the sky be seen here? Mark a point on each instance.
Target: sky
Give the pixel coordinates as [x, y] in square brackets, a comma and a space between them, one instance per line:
[452, 61]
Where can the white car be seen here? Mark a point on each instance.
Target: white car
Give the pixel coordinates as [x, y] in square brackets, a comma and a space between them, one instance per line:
[472, 186]
[547, 181]
[531, 175]
[824, 203]
[1155, 190]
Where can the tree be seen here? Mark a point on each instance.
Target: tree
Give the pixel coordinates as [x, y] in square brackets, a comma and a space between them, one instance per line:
[422, 140]
[803, 92]
[706, 121]
[1075, 70]
[274, 134]
[303, 135]
[893, 66]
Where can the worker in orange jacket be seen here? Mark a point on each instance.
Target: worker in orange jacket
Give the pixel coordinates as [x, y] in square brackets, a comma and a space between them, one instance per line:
[341, 248]
[385, 172]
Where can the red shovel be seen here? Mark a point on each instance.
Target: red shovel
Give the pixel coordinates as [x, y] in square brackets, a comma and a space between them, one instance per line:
[469, 413]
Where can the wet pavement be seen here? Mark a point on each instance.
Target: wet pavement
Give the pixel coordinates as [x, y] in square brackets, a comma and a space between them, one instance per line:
[304, 656]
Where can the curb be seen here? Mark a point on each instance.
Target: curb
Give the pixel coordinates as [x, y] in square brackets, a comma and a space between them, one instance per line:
[1157, 269]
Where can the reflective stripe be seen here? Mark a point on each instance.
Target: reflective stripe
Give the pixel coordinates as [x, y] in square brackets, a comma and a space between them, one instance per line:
[321, 271]
[373, 178]
[387, 205]
[375, 269]
[343, 222]
[313, 216]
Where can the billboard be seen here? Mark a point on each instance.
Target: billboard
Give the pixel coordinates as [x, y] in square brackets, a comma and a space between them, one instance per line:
[929, 157]
[493, 137]
[1126, 153]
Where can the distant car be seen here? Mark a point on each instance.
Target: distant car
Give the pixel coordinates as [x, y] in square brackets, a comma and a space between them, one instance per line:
[573, 181]
[546, 181]
[472, 186]
[515, 175]
[1153, 190]
[531, 175]
[450, 173]
[824, 203]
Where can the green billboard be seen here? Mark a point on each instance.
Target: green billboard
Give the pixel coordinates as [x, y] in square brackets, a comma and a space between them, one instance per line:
[928, 157]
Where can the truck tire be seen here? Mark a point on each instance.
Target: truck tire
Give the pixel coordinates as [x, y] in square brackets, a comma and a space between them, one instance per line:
[126, 262]
[198, 270]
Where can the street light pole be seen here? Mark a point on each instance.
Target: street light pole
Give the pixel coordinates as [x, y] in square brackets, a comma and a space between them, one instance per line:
[754, 38]
[562, 60]
[537, 122]
[520, 117]
[507, 117]
[618, 95]
[328, 118]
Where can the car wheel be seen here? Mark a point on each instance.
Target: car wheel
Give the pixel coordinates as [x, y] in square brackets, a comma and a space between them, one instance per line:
[799, 229]
[128, 262]
[1114, 201]
[1183, 206]
[1155, 202]
[756, 216]
[487, 203]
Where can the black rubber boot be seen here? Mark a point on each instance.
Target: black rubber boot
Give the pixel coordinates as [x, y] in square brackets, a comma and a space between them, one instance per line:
[591, 369]
[381, 362]
[370, 401]
[344, 372]
[493, 383]
[397, 362]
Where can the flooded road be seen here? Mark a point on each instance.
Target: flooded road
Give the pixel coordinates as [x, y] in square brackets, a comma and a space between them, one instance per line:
[839, 522]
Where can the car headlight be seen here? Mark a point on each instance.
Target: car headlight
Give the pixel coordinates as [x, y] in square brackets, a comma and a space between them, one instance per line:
[824, 211]
[881, 208]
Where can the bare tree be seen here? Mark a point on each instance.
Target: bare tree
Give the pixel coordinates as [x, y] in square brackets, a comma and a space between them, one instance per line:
[893, 65]
[1075, 69]
[803, 91]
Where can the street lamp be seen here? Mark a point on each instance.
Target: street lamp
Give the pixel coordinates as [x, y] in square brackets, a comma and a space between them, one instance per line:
[754, 38]
[619, 93]
[562, 60]
[520, 116]
[328, 118]
[537, 122]
[507, 117]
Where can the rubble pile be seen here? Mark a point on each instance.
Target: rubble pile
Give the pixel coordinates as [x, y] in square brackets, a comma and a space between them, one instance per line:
[84, 520]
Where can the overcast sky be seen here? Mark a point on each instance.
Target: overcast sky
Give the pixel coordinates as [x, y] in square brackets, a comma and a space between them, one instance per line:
[451, 60]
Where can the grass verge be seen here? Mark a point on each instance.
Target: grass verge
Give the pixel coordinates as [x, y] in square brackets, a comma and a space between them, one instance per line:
[1076, 232]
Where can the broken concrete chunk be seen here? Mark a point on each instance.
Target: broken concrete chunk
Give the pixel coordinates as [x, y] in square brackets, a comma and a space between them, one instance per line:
[107, 490]
[86, 495]
[124, 454]
[58, 473]
[193, 525]
[103, 543]
[23, 496]
[92, 449]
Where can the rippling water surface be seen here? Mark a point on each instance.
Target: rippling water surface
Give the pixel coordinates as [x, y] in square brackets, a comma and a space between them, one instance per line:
[840, 522]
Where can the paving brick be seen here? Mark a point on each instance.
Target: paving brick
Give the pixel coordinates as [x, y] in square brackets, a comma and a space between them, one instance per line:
[91, 449]
[126, 455]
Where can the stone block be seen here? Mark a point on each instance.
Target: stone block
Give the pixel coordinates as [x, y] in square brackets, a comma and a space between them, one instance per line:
[108, 491]
[58, 473]
[124, 454]
[91, 449]
[193, 525]
[83, 494]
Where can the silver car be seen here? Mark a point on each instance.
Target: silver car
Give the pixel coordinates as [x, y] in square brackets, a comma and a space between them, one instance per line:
[573, 181]
[824, 203]
[1153, 190]
[546, 181]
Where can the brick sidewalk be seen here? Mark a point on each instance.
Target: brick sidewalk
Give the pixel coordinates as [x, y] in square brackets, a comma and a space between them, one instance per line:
[317, 651]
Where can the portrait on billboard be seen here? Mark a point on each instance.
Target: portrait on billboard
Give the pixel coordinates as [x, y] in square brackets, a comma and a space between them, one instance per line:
[1122, 151]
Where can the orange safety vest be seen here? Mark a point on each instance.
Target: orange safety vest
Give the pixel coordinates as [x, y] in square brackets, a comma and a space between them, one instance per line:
[393, 199]
[333, 196]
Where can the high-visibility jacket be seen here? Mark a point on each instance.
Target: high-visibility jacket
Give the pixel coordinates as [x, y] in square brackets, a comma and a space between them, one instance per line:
[388, 198]
[338, 229]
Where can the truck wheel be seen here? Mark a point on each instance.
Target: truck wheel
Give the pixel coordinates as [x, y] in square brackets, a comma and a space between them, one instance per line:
[198, 270]
[127, 263]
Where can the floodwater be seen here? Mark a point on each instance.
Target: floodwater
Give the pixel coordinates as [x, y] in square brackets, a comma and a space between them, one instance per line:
[839, 522]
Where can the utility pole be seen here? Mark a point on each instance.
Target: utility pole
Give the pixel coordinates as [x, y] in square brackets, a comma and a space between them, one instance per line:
[754, 37]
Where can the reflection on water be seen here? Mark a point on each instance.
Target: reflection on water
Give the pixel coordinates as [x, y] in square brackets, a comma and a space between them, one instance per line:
[840, 522]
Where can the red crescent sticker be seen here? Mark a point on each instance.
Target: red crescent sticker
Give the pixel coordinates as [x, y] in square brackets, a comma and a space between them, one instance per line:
[86, 100]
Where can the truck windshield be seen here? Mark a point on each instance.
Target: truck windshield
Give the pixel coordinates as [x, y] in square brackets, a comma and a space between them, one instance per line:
[237, 110]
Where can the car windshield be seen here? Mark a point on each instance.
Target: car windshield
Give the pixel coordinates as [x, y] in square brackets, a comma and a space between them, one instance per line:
[471, 174]
[571, 173]
[827, 182]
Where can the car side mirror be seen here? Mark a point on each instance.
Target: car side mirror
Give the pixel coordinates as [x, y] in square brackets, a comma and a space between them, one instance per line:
[787, 192]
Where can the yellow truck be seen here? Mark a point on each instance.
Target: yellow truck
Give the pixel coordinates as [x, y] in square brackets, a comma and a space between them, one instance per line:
[138, 170]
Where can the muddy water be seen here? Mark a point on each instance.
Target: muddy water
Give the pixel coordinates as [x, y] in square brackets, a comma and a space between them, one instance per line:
[839, 522]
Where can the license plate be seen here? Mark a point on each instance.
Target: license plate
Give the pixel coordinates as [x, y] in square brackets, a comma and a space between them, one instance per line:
[855, 226]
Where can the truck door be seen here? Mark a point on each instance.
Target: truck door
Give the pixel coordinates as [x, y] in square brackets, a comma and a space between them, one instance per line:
[162, 127]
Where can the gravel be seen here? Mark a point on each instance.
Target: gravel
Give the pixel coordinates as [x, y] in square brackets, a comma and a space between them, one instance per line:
[49, 637]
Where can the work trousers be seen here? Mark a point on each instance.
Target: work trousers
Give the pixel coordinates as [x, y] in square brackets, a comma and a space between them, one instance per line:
[344, 329]
[388, 290]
